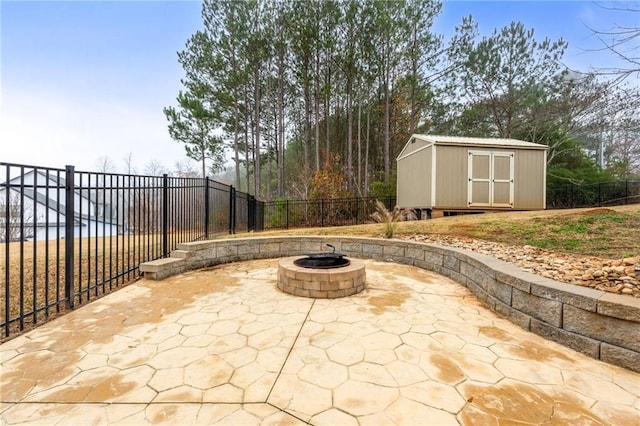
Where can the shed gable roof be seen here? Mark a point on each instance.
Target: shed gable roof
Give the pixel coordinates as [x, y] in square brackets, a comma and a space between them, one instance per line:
[487, 142]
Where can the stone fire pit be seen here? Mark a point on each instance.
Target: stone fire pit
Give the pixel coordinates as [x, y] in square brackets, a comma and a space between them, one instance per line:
[321, 282]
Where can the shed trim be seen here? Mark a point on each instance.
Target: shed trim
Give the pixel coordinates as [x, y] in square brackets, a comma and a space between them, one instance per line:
[414, 152]
[544, 181]
[491, 180]
[479, 142]
[472, 179]
[433, 175]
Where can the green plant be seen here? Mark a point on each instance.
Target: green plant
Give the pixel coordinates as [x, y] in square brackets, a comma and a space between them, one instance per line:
[381, 189]
[389, 218]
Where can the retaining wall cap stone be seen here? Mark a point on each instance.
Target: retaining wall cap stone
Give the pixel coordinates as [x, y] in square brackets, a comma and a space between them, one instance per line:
[160, 264]
[582, 297]
[618, 306]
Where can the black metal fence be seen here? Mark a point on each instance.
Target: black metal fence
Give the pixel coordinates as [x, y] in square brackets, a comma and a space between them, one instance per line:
[67, 236]
[287, 214]
[593, 195]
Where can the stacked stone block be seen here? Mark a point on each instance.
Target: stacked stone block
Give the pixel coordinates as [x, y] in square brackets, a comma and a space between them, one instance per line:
[321, 284]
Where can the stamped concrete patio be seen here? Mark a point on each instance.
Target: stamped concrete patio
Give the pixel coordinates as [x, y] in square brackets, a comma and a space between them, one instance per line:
[224, 345]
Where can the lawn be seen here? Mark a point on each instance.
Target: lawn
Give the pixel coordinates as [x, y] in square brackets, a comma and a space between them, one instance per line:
[612, 232]
[36, 272]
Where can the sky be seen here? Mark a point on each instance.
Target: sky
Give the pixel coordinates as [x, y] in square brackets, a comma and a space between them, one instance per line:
[85, 80]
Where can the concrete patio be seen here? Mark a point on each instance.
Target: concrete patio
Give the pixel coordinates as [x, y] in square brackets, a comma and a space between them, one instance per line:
[224, 345]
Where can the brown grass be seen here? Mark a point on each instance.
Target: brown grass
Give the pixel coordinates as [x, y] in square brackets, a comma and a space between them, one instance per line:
[40, 266]
[611, 233]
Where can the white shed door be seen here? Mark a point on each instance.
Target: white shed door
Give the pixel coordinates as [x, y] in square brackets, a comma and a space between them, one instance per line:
[490, 179]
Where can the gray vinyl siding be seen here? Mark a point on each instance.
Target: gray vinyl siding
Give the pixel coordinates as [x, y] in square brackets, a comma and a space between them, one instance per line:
[414, 180]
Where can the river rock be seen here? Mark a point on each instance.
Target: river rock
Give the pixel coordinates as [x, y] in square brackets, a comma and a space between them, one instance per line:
[620, 276]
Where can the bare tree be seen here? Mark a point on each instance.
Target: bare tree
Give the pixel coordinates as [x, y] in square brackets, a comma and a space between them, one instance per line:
[105, 164]
[11, 216]
[185, 169]
[129, 168]
[624, 156]
[622, 132]
[623, 42]
[155, 168]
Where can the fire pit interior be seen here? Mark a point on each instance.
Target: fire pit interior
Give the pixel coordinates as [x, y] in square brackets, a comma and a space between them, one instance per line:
[321, 275]
[323, 260]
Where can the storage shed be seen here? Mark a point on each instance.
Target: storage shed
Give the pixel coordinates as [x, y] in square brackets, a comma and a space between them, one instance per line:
[452, 173]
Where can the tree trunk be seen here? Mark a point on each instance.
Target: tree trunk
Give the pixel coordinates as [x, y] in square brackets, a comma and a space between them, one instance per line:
[307, 124]
[256, 149]
[366, 152]
[359, 144]
[413, 118]
[349, 137]
[274, 138]
[247, 146]
[281, 128]
[317, 110]
[204, 166]
[387, 113]
[327, 108]
[236, 150]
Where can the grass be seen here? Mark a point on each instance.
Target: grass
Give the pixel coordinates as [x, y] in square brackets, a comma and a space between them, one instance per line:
[610, 233]
[598, 232]
[36, 272]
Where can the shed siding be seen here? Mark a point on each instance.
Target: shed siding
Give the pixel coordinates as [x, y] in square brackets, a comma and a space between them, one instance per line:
[529, 179]
[434, 172]
[414, 179]
[413, 146]
[451, 177]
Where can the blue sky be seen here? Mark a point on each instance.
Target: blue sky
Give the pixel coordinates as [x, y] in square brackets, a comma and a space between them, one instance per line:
[83, 80]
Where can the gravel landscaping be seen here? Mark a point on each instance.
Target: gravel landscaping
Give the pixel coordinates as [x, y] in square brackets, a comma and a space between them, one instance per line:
[620, 276]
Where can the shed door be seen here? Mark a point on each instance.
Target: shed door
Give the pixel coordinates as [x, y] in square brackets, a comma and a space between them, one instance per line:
[490, 179]
[479, 179]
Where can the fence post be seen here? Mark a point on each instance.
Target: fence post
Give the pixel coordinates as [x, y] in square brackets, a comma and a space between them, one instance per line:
[287, 213]
[252, 214]
[322, 212]
[232, 214]
[599, 194]
[69, 237]
[626, 192]
[7, 234]
[571, 202]
[165, 214]
[260, 215]
[206, 207]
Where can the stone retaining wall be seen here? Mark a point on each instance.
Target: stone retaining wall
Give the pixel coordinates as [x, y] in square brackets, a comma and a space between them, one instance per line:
[601, 325]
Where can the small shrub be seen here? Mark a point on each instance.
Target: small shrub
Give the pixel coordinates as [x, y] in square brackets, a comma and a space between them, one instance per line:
[389, 218]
